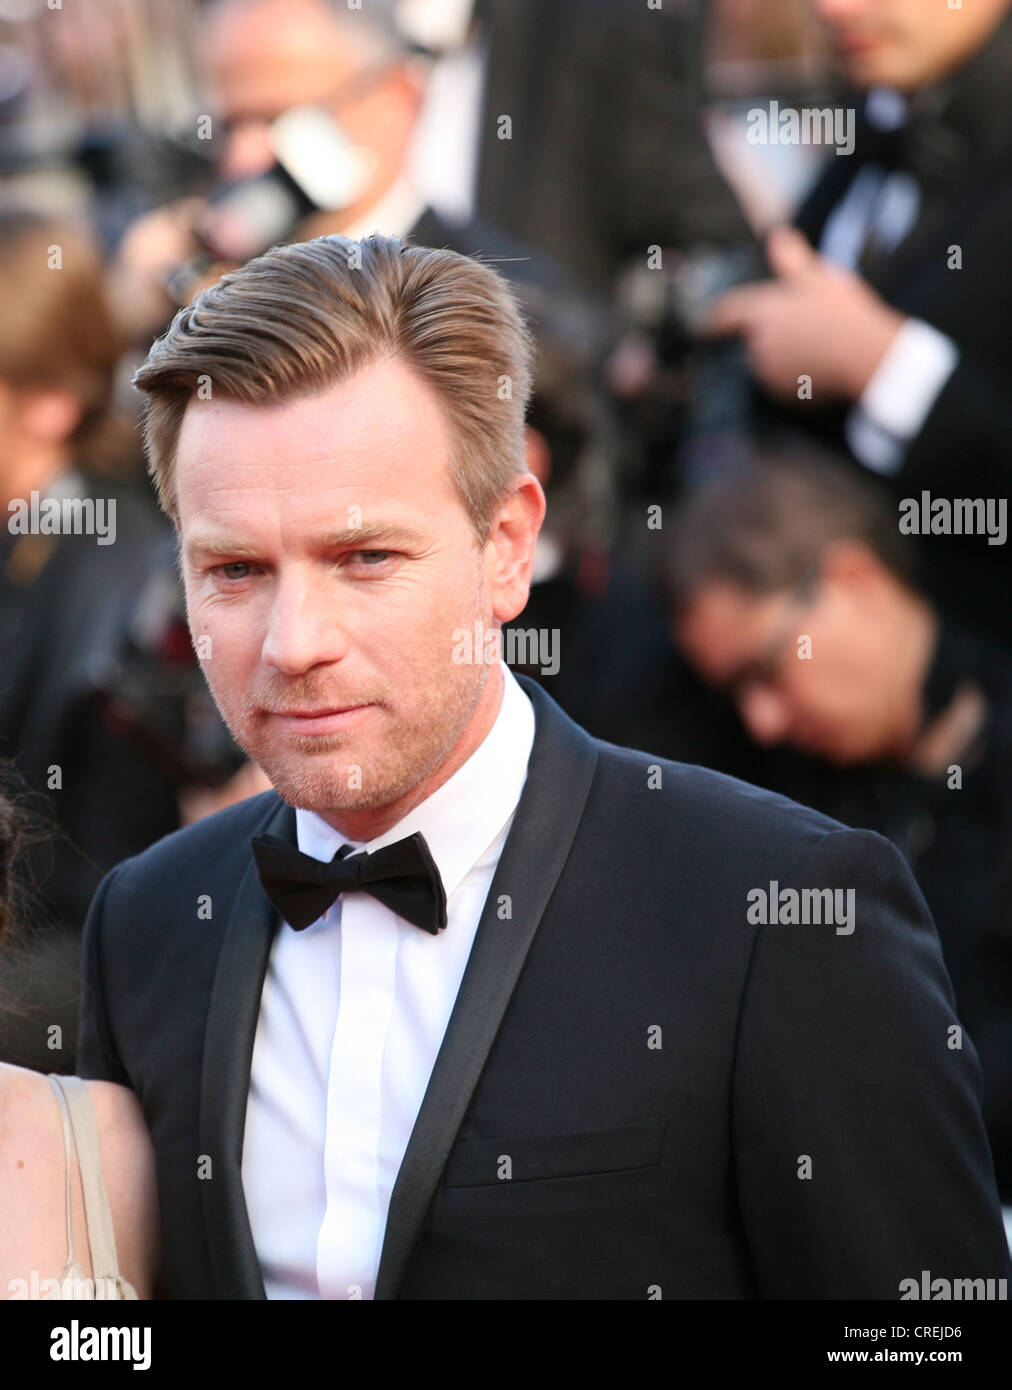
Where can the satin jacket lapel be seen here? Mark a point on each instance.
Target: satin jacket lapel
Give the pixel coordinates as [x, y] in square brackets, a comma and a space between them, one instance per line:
[548, 816]
[228, 1052]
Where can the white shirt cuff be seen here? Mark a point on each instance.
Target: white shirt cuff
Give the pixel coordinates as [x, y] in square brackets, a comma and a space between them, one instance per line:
[898, 398]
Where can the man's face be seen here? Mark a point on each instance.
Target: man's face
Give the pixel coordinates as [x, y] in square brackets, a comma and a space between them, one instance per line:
[827, 697]
[268, 56]
[905, 43]
[328, 559]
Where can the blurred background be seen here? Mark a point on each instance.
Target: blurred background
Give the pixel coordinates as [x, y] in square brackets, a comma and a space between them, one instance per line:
[763, 247]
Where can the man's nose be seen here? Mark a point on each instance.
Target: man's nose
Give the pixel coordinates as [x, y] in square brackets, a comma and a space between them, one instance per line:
[766, 714]
[303, 630]
[839, 11]
[248, 150]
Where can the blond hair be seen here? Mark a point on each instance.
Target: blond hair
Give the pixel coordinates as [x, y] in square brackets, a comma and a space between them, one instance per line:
[305, 317]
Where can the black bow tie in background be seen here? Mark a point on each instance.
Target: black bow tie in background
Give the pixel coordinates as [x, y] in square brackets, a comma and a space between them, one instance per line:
[402, 876]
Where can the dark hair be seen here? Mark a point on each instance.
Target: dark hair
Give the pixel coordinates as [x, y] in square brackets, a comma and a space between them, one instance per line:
[24, 822]
[764, 524]
[8, 849]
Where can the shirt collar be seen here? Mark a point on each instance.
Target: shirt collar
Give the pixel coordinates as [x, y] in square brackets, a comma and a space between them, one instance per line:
[396, 213]
[885, 108]
[462, 818]
[436, 25]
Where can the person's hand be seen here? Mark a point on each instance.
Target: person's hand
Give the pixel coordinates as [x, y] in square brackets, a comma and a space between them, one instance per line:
[814, 319]
[152, 248]
[632, 368]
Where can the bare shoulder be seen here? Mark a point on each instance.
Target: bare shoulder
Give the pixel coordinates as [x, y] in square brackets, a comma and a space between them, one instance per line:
[128, 1167]
[125, 1144]
[33, 1175]
[26, 1108]
[118, 1113]
[32, 1180]
[19, 1081]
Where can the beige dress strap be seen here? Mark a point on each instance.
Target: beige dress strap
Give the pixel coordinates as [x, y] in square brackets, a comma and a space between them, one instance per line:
[65, 1120]
[75, 1104]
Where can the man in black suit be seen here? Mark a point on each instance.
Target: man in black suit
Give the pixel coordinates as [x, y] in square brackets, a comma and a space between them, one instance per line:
[891, 293]
[579, 1023]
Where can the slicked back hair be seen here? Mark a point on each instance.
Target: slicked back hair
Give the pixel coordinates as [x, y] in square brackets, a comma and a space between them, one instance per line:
[306, 317]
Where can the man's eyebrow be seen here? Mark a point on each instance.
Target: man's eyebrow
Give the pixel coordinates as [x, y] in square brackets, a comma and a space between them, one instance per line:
[390, 533]
[393, 532]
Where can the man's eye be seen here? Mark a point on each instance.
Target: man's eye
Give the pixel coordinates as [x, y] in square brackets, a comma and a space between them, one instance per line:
[372, 557]
[237, 569]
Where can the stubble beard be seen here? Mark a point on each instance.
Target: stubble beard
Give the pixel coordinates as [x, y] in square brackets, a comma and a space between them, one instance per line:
[325, 773]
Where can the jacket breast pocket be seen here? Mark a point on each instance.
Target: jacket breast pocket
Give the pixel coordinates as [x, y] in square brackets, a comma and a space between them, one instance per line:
[534, 1158]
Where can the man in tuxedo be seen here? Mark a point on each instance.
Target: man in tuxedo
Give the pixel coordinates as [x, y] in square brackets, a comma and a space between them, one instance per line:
[473, 1005]
[891, 291]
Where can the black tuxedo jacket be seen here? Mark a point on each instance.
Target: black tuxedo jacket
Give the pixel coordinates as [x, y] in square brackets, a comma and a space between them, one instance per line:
[659, 1073]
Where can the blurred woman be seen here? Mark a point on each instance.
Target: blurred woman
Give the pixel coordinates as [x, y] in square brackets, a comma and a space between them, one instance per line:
[77, 1175]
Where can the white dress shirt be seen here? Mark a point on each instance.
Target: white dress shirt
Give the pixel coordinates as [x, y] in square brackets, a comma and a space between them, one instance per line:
[446, 149]
[394, 215]
[440, 169]
[352, 1016]
[899, 396]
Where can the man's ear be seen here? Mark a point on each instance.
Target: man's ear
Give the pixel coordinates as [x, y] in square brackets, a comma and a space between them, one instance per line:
[510, 548]
[409, 86]
[851, 563]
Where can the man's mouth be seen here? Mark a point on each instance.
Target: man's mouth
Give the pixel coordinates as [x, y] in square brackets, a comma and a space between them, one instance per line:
[854, 44]
[324, 719]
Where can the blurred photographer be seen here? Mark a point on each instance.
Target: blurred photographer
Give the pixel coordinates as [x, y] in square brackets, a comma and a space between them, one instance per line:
[312, 111]
[885, 326]
[314, 127]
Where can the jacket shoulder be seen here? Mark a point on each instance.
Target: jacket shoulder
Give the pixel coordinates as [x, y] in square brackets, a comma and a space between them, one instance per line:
[707, 800]
[210, 840]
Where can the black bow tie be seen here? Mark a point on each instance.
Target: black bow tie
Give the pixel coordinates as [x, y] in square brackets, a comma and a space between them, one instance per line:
[402, 876]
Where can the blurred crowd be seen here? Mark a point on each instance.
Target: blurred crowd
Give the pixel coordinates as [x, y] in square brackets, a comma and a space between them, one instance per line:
[763, 248]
